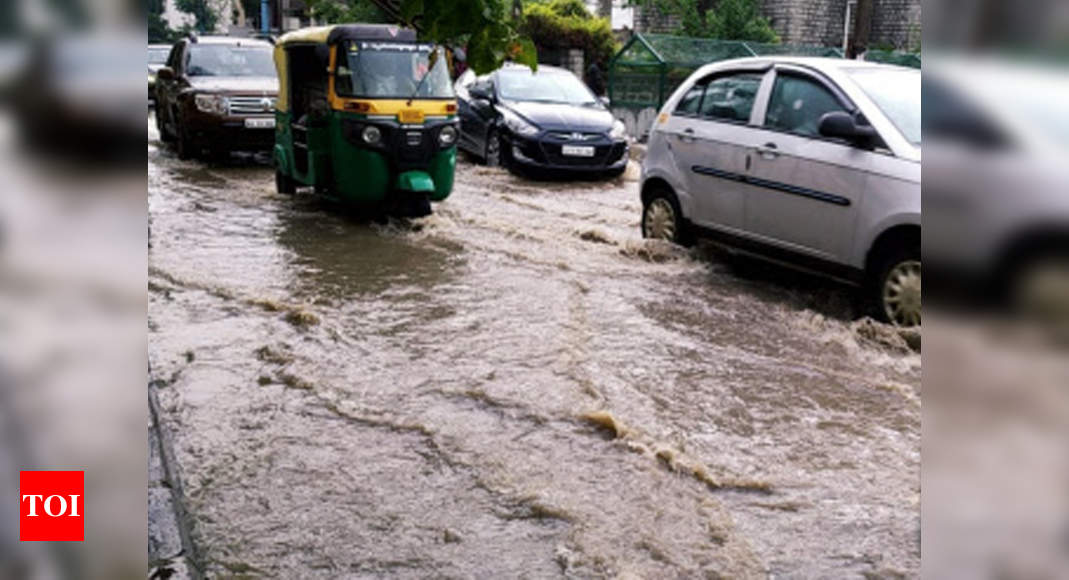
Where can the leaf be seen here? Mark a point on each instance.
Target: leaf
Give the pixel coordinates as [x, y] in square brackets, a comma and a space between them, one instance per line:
[523, 51]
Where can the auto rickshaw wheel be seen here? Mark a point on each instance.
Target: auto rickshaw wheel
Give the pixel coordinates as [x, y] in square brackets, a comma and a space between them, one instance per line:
[284, 183]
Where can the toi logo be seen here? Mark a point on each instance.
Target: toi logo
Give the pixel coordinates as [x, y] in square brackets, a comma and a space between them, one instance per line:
[51, 506]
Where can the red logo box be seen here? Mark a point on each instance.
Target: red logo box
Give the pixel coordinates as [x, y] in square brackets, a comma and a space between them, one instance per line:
[51, 506]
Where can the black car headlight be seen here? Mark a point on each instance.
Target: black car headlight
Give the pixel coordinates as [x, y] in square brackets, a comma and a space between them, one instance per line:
[518, 125]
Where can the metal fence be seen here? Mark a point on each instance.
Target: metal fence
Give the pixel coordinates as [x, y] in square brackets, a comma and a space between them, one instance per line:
[650, 66]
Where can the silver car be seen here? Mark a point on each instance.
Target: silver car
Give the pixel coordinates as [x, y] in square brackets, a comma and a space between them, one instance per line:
[812, 163]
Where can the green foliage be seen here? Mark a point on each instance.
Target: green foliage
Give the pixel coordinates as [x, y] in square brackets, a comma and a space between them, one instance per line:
[158, 31]
[206, 18]
[724, 19]
[741, 20]
[489, 29]
[345, 11]
[562, 24]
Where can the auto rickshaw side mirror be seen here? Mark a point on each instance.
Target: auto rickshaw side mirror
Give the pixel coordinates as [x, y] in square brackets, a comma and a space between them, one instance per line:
[165, 74]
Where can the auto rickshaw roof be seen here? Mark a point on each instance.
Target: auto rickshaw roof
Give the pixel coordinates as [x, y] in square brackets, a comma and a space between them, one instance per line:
[342, 32]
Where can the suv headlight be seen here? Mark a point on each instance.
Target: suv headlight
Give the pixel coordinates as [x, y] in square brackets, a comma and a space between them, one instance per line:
[215, 104]
[518, 125]
[618, 130]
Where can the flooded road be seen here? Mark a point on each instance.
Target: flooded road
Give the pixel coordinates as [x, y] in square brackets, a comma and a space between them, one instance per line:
[517, 386]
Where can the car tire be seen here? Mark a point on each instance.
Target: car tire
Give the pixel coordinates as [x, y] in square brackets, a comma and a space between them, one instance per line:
[285, 184]
[492, 153]
[663, 219]
[897, 291]
[161, 128]
[1035, 288]
[183, 143]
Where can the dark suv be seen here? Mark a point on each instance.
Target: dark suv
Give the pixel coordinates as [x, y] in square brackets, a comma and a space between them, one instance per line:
[217, 93]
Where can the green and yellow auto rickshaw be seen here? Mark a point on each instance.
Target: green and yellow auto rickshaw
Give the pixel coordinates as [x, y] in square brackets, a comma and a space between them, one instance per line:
[366, 115]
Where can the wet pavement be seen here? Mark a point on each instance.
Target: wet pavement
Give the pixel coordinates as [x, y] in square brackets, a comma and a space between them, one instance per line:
[517, 386]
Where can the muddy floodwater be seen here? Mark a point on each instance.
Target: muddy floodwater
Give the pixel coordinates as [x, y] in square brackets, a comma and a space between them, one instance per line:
[517, 386]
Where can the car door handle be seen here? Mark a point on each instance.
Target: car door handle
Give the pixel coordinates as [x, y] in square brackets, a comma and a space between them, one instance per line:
[687, 136]
[768, 151]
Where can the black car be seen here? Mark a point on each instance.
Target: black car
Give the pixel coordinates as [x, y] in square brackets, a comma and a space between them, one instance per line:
[538, 120]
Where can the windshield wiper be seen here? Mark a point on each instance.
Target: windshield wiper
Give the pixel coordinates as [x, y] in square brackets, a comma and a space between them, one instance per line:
[432, 60]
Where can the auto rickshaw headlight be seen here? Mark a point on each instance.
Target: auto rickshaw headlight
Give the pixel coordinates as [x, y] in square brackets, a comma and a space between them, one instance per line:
[447, 136]
[371, 135]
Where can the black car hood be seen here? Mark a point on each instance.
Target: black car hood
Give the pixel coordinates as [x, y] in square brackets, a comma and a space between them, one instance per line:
[560, 117]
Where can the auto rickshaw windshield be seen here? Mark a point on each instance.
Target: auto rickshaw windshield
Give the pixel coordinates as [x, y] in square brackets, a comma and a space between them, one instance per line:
[392, 70]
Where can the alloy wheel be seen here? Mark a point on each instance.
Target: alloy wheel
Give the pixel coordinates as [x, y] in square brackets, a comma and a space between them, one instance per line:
[901, 295]
[660, 220]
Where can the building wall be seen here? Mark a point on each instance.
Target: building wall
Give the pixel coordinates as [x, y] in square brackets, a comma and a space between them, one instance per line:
[649, 19]
[815, 22]
[896, 23]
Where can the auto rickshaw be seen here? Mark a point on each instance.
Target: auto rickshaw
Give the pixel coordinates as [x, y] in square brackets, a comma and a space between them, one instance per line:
[366, 115]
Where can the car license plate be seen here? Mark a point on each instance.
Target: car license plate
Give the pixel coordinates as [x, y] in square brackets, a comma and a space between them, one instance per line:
[268, 123]
[410, 116]
[577, 150]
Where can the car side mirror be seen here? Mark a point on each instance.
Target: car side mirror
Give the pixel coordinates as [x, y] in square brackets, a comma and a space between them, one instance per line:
[605, 101]
[481, 93]
[165, 74]
[842, 125]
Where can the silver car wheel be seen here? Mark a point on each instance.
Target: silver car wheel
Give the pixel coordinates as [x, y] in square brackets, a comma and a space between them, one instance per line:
[902, 294]
[660, 222]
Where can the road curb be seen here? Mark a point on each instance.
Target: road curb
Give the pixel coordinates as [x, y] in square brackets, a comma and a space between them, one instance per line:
[171, 552]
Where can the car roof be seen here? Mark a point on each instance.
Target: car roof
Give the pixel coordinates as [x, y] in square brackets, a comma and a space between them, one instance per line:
[232, 41]
[541, 68]
[821, 64]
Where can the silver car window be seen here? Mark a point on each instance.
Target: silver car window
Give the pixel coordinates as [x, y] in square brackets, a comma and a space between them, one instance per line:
[797, 104]
[731, 98]
[690, 102]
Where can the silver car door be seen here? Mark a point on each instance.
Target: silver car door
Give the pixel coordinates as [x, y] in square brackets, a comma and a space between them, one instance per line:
[710, 146]
[805, 189]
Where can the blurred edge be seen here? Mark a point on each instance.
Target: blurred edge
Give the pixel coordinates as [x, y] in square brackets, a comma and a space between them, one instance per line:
[996, 213]
[73, 276]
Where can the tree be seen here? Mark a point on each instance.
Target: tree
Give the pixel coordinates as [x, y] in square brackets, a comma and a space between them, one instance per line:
[722, 19]
[158, 31]
[561, 24]
[202, 11]
[490, 29]
[341, 11]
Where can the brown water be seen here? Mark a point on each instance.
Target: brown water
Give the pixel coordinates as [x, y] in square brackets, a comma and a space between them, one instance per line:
[517, 386]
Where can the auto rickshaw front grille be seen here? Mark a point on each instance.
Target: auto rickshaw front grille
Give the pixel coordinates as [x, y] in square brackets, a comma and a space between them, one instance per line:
[406, 148]
[414, 148]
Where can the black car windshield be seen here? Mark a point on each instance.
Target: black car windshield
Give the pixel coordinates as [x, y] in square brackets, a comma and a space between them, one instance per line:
[222, 60]
[544, 86]
[392, 70]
